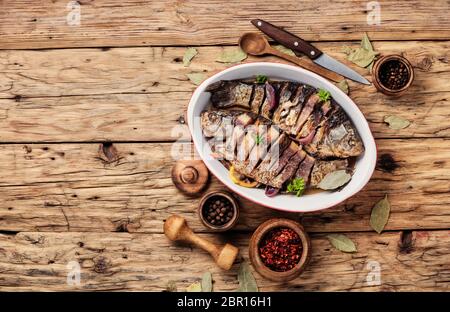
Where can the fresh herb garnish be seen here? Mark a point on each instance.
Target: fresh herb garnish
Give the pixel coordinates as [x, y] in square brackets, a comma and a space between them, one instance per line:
[258, 139]
[324, 95]
[261, 79]
[296, 186]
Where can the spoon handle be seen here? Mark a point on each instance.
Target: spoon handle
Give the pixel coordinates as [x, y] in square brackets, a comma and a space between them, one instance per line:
[307, 65]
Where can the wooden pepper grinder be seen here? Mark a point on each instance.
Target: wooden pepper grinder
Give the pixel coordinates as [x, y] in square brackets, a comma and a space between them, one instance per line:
[176, 229]
[190, 176]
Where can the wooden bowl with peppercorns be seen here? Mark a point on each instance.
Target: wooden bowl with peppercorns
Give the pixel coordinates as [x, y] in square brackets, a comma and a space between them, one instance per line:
[280, 249]
[218, 211]
[392, 75]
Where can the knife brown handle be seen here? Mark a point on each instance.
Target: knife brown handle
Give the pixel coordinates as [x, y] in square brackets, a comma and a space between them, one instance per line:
[287, 39]
[306, 64]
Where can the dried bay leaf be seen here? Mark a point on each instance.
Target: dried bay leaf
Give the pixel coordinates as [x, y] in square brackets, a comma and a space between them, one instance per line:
[380, 214]
[334, 179]
[395, 122]
[207, 282]
[365, 43]
[194, 287]
[171, 287]
[343, 85]
[347, 49]
[247, 282]
[189, 54]
[196, 78]
[363, 56]
[285, 50]
[370, 67]
[232, 56]
[342, 242]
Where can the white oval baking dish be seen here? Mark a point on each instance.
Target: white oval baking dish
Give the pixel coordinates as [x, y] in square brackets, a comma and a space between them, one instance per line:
[365, 163]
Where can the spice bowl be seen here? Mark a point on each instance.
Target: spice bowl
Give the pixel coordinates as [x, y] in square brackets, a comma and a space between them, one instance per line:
[280, 249]
[219, 211]
[392, 75]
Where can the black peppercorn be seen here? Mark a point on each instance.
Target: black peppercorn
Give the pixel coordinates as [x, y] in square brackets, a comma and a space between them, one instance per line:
[218, 210]
[394, 75]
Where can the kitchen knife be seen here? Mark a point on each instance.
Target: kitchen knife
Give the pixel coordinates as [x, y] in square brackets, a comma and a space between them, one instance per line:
[298, 44]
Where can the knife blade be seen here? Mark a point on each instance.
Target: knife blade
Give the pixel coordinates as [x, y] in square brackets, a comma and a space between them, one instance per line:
[298, 44]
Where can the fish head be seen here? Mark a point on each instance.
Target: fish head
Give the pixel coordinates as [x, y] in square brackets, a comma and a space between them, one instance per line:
[211, 122]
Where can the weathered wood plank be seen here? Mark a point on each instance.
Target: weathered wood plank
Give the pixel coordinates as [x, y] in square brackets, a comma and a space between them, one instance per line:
[138, 94]
[67, 187]
[408, 261]
[45, 24]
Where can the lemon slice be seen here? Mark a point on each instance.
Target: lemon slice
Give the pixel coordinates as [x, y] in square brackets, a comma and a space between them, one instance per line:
[236, 177]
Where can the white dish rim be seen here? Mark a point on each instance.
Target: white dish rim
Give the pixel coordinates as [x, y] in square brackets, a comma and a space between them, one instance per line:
[367, 137]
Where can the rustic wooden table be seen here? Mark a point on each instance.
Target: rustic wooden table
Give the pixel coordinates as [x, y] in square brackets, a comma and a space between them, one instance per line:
[68, 85]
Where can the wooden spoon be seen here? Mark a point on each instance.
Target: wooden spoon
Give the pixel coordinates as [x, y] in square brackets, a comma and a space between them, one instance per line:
[256, 44]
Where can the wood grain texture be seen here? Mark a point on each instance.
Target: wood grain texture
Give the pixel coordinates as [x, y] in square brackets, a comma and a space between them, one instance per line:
[32, 25]
[413, 261]
[139, 94]
[128, 187]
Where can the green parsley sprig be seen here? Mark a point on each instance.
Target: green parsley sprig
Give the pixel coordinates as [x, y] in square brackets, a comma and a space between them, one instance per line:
[261, 78]
[296, 186]
[324, 95]
[258, 139]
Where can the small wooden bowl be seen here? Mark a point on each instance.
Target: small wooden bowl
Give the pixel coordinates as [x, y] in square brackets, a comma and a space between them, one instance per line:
[376, 75]
[229, 224]
[259, 265]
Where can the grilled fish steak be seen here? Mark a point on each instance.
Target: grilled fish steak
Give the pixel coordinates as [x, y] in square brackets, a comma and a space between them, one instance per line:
[322, 127]
[261, 150]
[278, 131]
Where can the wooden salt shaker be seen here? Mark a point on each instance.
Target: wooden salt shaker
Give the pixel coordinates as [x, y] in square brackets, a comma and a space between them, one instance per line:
[190, 176]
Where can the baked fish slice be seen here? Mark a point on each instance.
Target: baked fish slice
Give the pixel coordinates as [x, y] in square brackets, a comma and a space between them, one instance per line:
[306, 134]
[267, 169]
[271, 100]
[214, 123]
[226, 130]
[288, 171]
[318, 117]
[337, 137]
[233, 141]
[304, 169]
[286, 104]
[248, 142]
[264, 138]
[258, 97]
[230, 93]
[289, 116]
[308, 108]
[286, 100]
